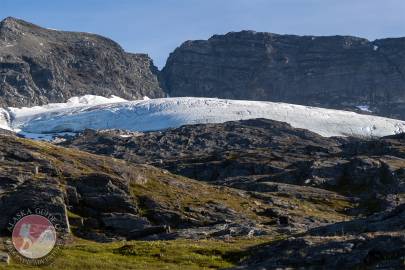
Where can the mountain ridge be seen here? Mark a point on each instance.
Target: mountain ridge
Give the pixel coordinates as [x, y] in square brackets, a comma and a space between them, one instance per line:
[39, 66]
[341, 72]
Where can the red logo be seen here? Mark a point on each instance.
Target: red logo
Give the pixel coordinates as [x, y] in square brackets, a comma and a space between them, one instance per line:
[34, 237]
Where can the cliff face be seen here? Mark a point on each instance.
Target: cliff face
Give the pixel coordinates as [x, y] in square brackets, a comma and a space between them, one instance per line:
[39, 65]
[337, 72]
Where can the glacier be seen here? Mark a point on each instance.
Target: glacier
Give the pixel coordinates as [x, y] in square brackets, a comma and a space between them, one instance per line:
[93, 112]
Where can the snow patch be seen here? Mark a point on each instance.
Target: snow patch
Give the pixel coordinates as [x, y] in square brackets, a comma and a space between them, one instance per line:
[364, 108]
[375, 48]
[93, 100]
[4, 119]
[100, 113]
[74, 102]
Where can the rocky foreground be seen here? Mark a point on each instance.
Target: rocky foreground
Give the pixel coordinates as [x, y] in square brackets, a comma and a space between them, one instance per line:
[332, 202]
[338, 202]
[107, 199]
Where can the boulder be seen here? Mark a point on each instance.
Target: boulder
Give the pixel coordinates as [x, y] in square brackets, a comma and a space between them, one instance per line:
[124, 222]
[4, 258]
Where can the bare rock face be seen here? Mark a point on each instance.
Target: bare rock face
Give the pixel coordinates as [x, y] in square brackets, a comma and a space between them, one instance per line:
[39, 66]
[337, 72]
[376, 242]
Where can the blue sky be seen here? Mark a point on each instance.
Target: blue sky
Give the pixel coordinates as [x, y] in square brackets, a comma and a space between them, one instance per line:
[157, 27]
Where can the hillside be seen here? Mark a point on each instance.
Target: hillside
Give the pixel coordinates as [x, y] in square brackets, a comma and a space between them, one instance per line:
[255, 181]
[103, 199]
[303, 179]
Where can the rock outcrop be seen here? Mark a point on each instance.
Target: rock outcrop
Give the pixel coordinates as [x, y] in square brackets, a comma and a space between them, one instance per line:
[267, 156]
[39, 65]
[106, 199]
[377, 242]
[340, 72]
[303, 181]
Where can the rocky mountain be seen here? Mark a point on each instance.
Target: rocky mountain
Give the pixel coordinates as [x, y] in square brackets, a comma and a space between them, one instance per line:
[39, 65]
[305, 181]
[341, 72]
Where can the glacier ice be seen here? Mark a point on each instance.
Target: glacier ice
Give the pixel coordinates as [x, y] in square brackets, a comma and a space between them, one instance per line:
[95, 112]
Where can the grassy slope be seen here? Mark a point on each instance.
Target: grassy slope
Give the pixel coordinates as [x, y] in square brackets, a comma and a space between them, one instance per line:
[178, 254]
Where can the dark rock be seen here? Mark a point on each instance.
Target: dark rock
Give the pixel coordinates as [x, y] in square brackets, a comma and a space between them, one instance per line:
[219, 231]
[328, 172]
[124, 222]
[369, 252]
[386, 221]
[377, 242]
[147, 232]
[103, 193]
[305, 70]
[283, 220]
[33, 195]
[91, 223]
[73, 197]
[4, 258]
[38, 66]
[76, 221]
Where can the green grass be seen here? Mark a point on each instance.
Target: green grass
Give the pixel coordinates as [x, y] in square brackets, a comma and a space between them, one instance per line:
[176, 254]
[177, 192]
